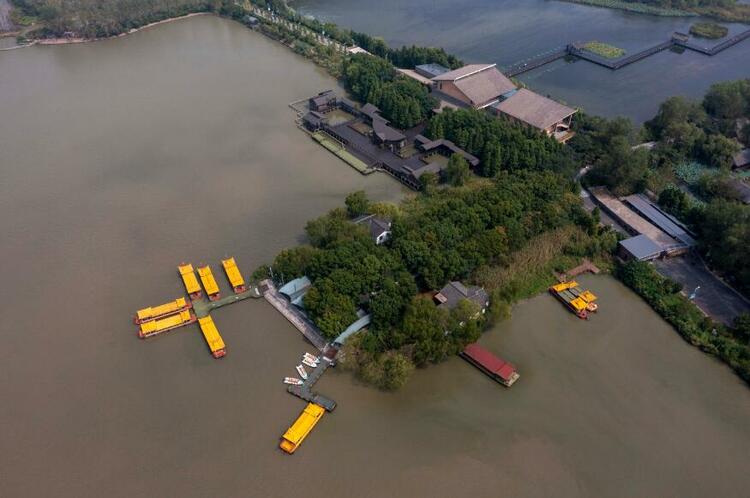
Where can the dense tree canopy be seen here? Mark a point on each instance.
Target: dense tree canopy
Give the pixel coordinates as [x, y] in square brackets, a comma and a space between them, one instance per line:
[500, 144]
[403, 101]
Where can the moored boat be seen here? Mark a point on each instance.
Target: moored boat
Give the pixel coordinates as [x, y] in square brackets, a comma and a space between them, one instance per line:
[302, 372]
[293, 381]
[314, 359]
[309, 363]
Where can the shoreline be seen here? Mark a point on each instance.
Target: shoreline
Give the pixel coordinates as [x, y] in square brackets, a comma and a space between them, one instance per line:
[73, 41]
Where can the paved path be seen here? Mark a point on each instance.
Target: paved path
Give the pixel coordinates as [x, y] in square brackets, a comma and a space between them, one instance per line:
[714, 297]
[5, 8]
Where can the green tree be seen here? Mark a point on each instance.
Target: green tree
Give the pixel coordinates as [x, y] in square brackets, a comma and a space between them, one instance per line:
[357, 204]
[397, 369]
[719, 151]
[457, 172]
[423, 328]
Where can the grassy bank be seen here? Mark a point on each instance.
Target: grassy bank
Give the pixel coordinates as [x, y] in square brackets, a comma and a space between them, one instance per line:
[604, 49]
[638, 8]
[709, 30]
[727, 13]
[664, 296]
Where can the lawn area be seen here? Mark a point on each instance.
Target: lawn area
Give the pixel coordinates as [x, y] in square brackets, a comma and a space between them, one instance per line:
[605, 50]
[709, 30]
[338, 116]
[341, 152]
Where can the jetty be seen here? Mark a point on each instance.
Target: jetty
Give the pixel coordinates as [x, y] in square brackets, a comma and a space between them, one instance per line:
[577, 50]
[585, 267]
[293, 314]
[305, 391]
[181, 312]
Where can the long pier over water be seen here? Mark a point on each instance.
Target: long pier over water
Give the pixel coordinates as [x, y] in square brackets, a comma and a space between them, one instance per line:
[678, 40]
[294, 316]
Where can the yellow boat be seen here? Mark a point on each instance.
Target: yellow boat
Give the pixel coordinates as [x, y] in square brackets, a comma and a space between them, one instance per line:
[147, 314]
[188, 278]
[211, 334]
[154, 327]
[209, 282]
[297, 433]
[564, 286]
[233, 274]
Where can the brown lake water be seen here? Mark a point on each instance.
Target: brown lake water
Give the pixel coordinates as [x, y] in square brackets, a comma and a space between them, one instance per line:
[121, 159]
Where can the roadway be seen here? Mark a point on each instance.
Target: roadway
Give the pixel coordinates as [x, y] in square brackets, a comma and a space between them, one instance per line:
[715, 298]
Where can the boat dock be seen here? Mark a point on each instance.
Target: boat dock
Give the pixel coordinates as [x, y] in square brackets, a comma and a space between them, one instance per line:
[180, 312]
[586, 266]
[294, 315]
[305, 391]
[203, 308]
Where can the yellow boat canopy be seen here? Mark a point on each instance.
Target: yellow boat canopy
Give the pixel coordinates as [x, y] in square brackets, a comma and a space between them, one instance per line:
[162, 325]
[233, 273]
[164, 309]
[588, 296]
[188, 278]
[209, 282]
[294, 436]
[211, 334]
[564, 286]
[579, 304]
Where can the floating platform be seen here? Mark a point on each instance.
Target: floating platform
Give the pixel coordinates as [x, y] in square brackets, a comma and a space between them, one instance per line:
[494, 367]
[170, 322]
[209, 283]
[297, 433]
[192, 286]
[233, 275]
[213, 339]
[156, 312]
[580, 302]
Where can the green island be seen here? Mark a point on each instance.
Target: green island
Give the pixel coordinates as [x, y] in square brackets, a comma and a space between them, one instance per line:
[724, 10]
[709, 30]
[605, 50]
[509, 225]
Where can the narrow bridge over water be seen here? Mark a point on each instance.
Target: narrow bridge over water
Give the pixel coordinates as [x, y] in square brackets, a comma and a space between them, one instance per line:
[678, 40]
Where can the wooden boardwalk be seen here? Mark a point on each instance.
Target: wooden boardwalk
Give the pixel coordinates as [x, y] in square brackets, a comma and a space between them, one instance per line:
[295, 316]
[576, 50]
[586, 266]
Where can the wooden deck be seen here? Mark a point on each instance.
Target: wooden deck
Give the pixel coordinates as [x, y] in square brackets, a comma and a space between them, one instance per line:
[295, 316]
[575, 50]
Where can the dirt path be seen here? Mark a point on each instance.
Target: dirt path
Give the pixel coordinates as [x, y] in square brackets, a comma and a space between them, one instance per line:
[5, 24]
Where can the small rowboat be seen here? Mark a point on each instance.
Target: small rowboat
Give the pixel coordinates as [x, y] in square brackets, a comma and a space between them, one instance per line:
[309, 363]
[302, 372]
[293, 381]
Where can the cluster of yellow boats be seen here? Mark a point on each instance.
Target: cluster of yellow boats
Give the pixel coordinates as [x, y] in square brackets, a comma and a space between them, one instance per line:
[579, 301]
[174, 314]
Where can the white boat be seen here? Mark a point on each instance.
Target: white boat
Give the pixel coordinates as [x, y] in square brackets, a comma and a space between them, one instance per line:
[309, 363]
[293, 381]
[302, 372]
[312, 358]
